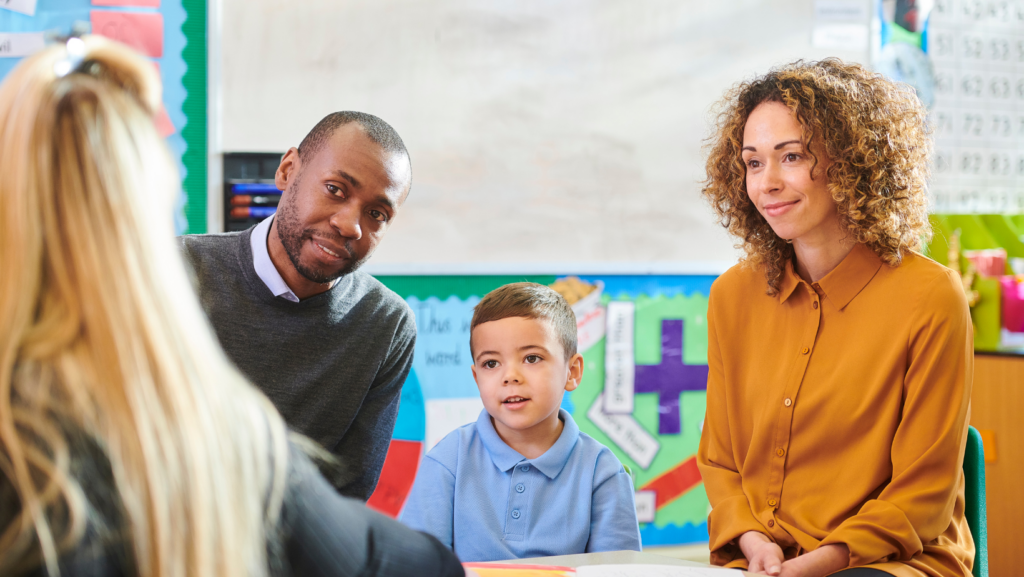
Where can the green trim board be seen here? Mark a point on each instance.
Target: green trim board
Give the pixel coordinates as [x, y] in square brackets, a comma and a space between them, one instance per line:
[195, 130]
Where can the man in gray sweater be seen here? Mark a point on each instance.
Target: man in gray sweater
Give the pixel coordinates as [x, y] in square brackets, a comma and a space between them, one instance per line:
[330, 345]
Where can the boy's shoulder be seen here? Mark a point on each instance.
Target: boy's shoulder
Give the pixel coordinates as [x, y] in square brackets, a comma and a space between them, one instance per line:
[448, 450]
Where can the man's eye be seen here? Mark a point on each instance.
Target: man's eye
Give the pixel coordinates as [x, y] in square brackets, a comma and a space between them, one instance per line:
[532, 359]
[378, 216]
[490, 364]
[333, 189]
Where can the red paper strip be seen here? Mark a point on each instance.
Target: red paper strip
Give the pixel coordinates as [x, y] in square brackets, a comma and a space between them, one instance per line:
[163, 122]
[396, 477]
[142, 31]
[139, 3]
[674, 482]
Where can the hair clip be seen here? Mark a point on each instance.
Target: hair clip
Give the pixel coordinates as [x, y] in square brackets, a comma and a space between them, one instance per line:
[74, 45]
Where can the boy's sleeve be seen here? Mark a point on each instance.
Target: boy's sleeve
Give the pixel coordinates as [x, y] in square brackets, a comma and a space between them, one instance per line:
[613, 524]
[431, 504]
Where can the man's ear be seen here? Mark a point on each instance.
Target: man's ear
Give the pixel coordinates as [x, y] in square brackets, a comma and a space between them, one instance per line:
[575, 372]
[289, 167]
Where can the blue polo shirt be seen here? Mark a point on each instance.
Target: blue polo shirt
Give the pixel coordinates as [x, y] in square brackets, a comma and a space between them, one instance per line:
[489, 503]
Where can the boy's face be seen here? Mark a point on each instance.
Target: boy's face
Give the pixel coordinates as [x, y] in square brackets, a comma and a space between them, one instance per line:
[521, 371]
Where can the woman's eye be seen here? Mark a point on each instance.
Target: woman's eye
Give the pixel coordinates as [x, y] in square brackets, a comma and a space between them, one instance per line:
[753, 163]
[792, 157]
[490, 364]
[530, 359]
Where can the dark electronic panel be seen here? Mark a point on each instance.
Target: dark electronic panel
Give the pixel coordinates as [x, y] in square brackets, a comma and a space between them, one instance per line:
[250, 194]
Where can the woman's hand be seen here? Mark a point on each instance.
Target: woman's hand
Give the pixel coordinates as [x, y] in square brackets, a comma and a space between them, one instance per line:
[763, 556]
[818, 563]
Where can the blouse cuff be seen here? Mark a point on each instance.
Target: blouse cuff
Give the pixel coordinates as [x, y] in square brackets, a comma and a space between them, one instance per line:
[879, 532]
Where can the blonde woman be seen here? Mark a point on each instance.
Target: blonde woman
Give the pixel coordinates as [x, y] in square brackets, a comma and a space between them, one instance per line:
[128, 444]
[840, 358]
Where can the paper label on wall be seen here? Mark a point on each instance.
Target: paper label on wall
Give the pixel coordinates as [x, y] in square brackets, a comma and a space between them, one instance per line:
[143, 31]
[646, 506]
[626, 433]
[446, 415]
[590, 328]
[840, 36]
[619, 363]
[18, 44]
[23, 6]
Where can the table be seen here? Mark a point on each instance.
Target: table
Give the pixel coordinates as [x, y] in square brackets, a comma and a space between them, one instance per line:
[609, 558]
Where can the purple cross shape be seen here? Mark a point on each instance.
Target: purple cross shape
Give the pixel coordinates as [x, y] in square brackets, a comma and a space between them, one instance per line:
[670, 378]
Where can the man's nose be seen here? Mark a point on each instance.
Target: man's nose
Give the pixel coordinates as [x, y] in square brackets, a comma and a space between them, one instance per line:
[345, 220]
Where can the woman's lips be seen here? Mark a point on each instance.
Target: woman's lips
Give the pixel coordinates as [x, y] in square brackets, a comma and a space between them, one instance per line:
[779, 208]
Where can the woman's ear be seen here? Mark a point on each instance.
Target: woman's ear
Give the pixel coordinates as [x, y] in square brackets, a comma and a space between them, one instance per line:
[575, 372]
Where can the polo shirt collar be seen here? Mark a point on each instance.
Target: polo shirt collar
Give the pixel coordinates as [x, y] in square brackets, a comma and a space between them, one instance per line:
[844, 282]
[505, 457]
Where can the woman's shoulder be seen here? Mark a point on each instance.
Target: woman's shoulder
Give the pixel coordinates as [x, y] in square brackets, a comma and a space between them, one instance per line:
[932, 284]
[740, 281]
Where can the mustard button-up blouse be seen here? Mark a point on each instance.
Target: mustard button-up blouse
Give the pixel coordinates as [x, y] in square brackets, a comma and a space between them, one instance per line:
[837, 413]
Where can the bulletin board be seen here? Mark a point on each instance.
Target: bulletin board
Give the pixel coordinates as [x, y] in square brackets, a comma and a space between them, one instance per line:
[173, 34]
[644, 343]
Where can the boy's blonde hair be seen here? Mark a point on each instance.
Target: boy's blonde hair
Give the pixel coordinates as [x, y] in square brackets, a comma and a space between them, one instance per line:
[532, 301]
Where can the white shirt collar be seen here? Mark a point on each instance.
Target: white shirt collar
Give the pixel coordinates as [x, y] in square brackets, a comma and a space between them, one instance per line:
[265, 268]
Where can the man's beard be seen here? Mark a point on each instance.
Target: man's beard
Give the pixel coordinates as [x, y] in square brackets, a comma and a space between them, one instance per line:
[293, 236]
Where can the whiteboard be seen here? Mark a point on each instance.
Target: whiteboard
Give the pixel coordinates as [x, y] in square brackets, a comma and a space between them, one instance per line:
[556, 131]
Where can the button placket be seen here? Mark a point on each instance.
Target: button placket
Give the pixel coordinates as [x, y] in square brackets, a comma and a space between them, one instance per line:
[516, 519]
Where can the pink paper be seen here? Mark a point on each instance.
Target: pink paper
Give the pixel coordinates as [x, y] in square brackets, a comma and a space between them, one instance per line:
[142, 31]
[989, 262]
[1013, 303]
[140, 3]
[163, 122]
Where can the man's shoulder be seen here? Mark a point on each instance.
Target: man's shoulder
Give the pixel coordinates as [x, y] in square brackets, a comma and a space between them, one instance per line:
[201, 247]
[385, 302]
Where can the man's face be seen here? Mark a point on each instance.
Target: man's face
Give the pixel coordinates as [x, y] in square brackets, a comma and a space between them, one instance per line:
[338, 204]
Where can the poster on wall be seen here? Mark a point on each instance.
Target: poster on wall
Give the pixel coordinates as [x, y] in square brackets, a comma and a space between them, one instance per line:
[172, 33]
[641, 337]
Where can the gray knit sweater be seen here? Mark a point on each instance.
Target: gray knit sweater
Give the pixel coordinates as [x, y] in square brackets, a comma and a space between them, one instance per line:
[333, 364]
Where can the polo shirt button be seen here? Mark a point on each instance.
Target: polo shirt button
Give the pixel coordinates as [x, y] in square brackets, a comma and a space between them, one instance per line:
[515, 513]
[787, 402]
[814, 304]
[805, 350]
[520, 488]
[771, 522]
[771, 503]
[524, 468]
[780, 452]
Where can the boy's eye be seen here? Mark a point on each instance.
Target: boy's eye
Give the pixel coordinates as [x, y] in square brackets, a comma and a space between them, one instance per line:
[532, 359]
[490, 364]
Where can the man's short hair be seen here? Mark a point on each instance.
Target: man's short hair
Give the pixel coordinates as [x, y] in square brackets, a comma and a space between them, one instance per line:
[377, 130]
[532, 301]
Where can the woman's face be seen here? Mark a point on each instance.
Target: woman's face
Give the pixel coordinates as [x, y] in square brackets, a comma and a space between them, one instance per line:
[796, 205]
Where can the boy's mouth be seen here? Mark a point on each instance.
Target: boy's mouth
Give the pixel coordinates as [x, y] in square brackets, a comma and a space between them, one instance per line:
[514, 401]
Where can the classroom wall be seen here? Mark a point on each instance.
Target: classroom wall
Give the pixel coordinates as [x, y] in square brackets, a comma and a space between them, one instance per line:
[556, 131]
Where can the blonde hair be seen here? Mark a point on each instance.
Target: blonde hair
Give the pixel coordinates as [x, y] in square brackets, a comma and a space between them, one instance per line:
[875, 135]
[104, 336]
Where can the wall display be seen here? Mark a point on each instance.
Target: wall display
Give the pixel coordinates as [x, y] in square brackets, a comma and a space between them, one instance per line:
[975, 50]
[172, 33]
[654, 326]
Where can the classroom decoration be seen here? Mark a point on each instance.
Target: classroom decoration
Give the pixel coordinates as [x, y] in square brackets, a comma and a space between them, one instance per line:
[172, 32]
[653, 325]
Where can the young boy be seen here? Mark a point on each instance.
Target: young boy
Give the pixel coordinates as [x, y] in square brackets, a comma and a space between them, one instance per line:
[523, 481]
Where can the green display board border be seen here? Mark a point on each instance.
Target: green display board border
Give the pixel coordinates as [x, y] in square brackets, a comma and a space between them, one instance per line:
[194, 133]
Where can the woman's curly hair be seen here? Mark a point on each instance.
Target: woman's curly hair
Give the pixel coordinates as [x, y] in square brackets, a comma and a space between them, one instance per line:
[875, 135]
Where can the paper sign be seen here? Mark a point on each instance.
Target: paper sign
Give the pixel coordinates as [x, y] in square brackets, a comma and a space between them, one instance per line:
[23, 6]
[163, 122]
[138, 3]
[619, 365]
[840, 36]
[446, 415]
[142, 31]
[590, 328]
[16, 45]
[841, 10]
[625, 432]
[646, 506]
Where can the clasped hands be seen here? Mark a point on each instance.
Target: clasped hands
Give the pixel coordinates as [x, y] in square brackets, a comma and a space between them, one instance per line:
[765, 558]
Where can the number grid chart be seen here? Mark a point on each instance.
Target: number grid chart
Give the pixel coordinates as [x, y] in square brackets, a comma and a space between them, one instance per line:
[976, 48]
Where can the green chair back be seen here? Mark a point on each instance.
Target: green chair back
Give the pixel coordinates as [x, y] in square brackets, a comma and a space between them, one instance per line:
[974, 492]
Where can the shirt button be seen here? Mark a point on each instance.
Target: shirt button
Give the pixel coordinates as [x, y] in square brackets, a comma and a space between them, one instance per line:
[524, 468]
[515, 513]
[771, 522]
[520, 488]
[779, 452]
[787, 402]
[814, 304]
[771, 503]
[805, 350]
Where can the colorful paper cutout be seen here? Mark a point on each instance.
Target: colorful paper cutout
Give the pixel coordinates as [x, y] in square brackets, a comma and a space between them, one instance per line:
[675, 482]
[163, 122]
[21, 6]
[619, 366]
[671, 377]
[627, 434]
[516, 570]
[396, 478]
[18, 44]
[135, 3]
[142, 31]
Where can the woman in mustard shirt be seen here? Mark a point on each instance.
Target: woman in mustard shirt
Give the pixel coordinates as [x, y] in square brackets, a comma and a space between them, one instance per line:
[840, 358]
